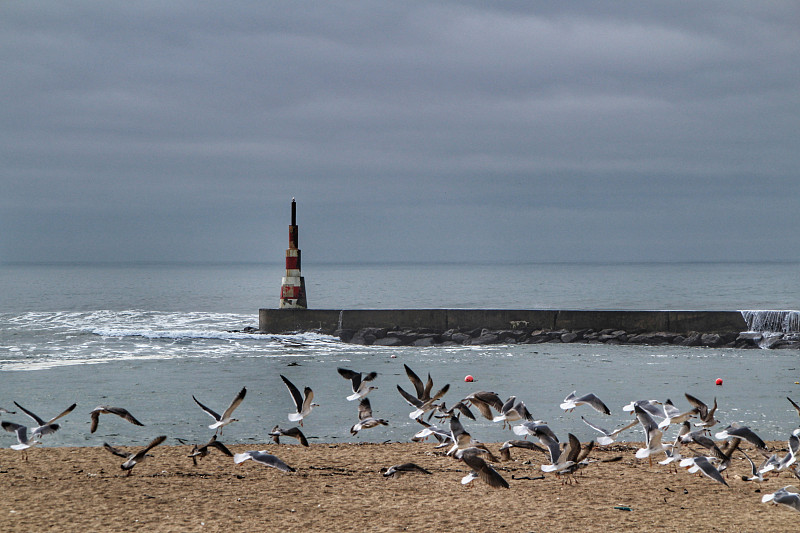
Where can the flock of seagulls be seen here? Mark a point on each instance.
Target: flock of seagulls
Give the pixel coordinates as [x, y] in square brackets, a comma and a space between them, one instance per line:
[692, 448]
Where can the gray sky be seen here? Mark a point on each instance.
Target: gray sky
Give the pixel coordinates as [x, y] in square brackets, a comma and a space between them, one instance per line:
[408, 131]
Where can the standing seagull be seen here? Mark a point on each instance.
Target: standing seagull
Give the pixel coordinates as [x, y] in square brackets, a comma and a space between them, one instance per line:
[302, 405]
[45, 427]
[360, 382]
[226, 417]
[105, 409]
[137, 457]
[365, 418]
[572, 401]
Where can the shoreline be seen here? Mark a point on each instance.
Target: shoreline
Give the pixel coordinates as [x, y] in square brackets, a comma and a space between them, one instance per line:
[340, 487]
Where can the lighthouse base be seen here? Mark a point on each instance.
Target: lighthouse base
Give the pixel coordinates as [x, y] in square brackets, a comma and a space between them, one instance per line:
[293, 293]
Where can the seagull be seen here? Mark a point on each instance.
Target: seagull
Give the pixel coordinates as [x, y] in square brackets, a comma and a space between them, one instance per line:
[706, 415]
[652, 435]
[511, 411]
[134, 458]
[295, 433]
[45, 427]
[365, 418]
[203, 450]
[741, 432]
[226, 418]
[704, 465]
[105, 409]
[673, 415]
[674, 453]
[608, 436]
[444, 437]
[572, 458]
[572, 401]
[757, 473]
[545, 435]
[405, 468]
[461, 438]
[788, 496]
[505, 449]
[360, 382]
[700, 438]
[485, 401]
[23, 443]
[264, 458]
[480, 468]
[447, 413]
[422, 406]
[794, 450]
[303, 406]
[4, 410]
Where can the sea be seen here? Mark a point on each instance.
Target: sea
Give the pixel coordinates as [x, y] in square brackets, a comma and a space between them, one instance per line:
[150, 336]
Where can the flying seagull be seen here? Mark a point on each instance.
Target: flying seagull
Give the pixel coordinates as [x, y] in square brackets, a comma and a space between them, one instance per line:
[23, 443]
[706, 415]
[45, 427]
[203, 450]
[788, 496]
[303, 406]
[704, 465]
[652, 435]
[105, 409]
[511, 411]
[485, 401]
[608, 436]
[422, 406]
[405, 468]
[741, 432]
[263, 458]
[295, 433]
[365, 418]
[134, 458]
[360, 382]
[505, 448]
[226, 418]
[545, 435]
[572, 401]
[480, 468]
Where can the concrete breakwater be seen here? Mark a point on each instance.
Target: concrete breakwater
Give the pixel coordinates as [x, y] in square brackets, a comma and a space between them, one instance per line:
[428, 327]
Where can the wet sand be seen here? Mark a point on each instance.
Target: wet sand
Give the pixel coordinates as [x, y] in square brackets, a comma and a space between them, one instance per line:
[339, 487]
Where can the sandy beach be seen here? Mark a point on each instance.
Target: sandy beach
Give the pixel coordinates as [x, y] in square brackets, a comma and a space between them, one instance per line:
[339, 487]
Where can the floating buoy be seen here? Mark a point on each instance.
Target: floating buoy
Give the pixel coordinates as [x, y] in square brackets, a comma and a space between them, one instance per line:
[469, 379]
[719, 381]
[393, 356]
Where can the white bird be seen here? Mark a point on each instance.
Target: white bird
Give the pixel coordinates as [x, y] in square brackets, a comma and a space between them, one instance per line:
[226, 418]
[134, 458]
[572, 401]
[706, 415]
[757, 472]
[652, 435]
[422, 405]
[303, 406]
[45, 427]
[480, 468]
[673, 415]
[442, 436]
[359, 381]
[794, 450]
[545, 435]
[788, 496]
[511, 411]
[263, 458]
[365, 418]
[485, 401]
[704, 465]
[608, 436]
[105, 409]
[398, 470]
[23, 443]
[741, 432]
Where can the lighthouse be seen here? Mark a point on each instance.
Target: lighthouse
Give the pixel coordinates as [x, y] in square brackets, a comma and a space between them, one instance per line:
[293, 286]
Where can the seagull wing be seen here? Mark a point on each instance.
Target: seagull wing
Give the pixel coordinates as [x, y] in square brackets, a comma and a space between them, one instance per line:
[95, 416]
[31, 414]
[797, 407]
[412, 400]
[213, 414]
[418, 386]
[364, 409]
[595, 402]
[123, 413]
[221, 447]
[296, 397]
[65, 412]
[115, 451]
[235, 403]
[702, 408]
[488, 474]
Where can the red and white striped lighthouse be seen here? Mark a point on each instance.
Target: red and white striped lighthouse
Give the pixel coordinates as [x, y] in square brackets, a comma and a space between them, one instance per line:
[293, 286]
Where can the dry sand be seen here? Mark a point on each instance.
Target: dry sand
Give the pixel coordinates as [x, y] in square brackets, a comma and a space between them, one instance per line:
[339, 487]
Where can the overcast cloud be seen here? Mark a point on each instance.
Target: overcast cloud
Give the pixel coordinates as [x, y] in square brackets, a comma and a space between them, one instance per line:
[408, 131]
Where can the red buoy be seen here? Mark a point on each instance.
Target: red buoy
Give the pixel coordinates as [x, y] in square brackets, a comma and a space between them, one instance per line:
[719, 381]
[469, 379]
